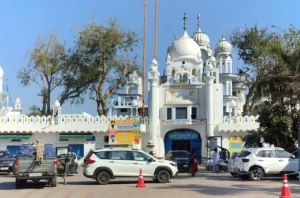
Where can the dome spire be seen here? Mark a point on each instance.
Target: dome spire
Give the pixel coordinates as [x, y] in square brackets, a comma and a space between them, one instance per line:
[198, 17]
[223, 35]
[175, 36]
[184, 22]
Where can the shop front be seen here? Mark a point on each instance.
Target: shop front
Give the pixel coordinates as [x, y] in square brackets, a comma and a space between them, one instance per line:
[12, 141]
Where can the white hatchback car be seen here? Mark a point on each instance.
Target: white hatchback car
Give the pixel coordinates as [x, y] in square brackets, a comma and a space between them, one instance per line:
[109, 163]
[255, 163]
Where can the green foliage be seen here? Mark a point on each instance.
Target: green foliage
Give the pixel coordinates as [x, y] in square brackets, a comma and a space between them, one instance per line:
[34, 111]
[272, 63]
[103, 57]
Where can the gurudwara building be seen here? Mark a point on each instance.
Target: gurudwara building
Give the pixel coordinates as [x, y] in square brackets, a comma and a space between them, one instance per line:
[197, 104]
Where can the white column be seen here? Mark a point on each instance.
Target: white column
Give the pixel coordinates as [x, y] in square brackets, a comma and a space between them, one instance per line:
[210, 104]
[153, 77]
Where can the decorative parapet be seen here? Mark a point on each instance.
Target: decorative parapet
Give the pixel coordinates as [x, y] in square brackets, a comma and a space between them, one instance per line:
[64, 123]
[239, 119]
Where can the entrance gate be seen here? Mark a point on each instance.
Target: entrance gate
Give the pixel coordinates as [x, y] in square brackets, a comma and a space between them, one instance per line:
[184, 139]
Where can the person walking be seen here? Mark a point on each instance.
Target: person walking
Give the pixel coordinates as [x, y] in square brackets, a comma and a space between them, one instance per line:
[192, 163]
[215, 160]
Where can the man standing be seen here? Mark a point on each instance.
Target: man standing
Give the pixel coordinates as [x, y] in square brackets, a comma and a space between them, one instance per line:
[192, 163]
[215, 160]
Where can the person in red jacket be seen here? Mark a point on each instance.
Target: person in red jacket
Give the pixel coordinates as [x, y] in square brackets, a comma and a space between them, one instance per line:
[192, 163]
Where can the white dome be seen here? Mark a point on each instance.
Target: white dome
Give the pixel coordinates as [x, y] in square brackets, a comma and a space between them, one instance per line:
[183, 47]
[201, 38]
[223, 46]
[134, 103]
[56, 103]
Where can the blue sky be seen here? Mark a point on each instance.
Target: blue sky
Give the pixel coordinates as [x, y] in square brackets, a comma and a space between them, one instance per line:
[22, 21]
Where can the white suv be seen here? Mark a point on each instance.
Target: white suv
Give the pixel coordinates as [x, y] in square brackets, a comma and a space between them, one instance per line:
[109, 163]
[254, 163]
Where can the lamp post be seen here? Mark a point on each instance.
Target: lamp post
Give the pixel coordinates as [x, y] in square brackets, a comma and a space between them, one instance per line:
[205, 121]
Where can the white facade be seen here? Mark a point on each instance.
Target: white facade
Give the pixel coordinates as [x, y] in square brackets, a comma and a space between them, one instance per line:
[200, 96]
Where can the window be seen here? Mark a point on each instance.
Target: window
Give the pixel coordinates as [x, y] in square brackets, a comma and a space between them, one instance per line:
[282, 154]
[4, 154]
[103, 154]
[194, 113]
[173, 72]
[185, 78]
[123, 110]
[181, 113]
[244, 154]
[169, 113]
[194, 72]
[138, 156]
[121, 155]
[265, 153]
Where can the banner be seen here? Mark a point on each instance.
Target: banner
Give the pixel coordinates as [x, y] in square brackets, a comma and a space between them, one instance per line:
[235, 144]
[124, 131]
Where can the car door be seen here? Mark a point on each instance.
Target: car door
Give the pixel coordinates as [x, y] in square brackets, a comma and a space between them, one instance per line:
[266, 159]
[121, 163]
[286, 163]
[144, 162]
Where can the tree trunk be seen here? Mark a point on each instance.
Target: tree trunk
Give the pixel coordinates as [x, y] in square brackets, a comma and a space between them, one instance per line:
[101, 107]
[48, 103]
[44, 105]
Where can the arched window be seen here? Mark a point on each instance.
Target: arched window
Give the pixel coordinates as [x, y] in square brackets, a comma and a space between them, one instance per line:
[173, 72]
[185, 78]
[224, 68]
[228, 67]
[194, 72]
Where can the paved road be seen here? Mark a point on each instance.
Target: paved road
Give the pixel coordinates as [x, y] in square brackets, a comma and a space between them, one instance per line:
[204, 185]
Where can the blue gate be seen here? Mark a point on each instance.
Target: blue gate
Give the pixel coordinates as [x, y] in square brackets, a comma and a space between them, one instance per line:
[13, 149]
[190, 135]
[78, 149]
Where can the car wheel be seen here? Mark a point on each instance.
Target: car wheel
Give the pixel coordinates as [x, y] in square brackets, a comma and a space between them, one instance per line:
[54, 181]
[163, 176]
[19, 183]
[103, 178]
[256, 174]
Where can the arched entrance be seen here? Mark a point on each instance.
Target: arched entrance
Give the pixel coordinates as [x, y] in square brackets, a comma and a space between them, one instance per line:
[184, 139]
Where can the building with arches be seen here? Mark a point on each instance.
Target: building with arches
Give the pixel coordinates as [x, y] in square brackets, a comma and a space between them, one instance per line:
[199, 101]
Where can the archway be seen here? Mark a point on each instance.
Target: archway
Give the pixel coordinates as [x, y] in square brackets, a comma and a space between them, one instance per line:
[184, 139]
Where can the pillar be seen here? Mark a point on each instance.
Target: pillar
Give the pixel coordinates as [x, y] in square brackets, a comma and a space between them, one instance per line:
[210, 104]
[153, 77]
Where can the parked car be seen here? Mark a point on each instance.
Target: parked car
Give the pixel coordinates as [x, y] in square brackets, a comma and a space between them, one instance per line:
[6, 161]
[27, 167]
[255, 163]
[110, 163]
[182, 158]
[231, 162]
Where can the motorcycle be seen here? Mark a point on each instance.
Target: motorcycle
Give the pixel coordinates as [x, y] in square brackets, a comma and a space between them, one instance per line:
[222, 166]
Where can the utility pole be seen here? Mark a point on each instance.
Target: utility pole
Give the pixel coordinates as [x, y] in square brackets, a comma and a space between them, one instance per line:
[144, 59]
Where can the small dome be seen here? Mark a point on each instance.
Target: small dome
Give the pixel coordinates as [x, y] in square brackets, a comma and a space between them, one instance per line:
[134, 103]
[201, 38]
[212, 59]
[184, 46]
[56, 103]
[223, 46]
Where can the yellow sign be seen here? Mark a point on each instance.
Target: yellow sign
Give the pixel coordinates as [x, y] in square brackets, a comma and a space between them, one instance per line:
[235, 144]
[124, 132]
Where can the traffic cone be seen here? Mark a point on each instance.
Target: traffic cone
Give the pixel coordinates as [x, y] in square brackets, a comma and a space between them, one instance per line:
[141, 183]
[285, 190]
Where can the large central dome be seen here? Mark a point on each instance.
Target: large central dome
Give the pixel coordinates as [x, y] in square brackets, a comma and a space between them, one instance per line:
[184, 47]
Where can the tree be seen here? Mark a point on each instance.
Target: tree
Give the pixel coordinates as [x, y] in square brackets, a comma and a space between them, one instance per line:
[103, 57]
[272, 59]
[34, 111]
[45, 67]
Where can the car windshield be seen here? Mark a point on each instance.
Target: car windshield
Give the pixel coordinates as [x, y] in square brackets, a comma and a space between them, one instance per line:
[179, 154]
[4, 154]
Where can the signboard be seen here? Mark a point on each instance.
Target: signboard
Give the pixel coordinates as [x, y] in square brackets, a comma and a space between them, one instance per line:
[124, 132]
[235, 144]
[182, 121]
[183, 136]
[19, 137]
[75, 136]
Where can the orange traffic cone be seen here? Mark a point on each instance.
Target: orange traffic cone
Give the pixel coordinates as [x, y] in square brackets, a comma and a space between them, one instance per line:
[141, 183]
[285, 190]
